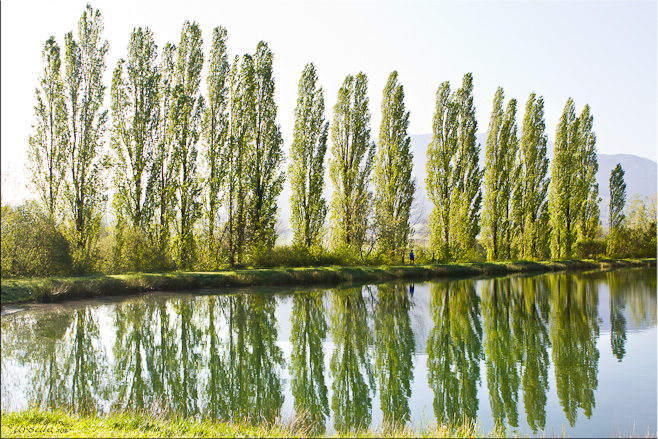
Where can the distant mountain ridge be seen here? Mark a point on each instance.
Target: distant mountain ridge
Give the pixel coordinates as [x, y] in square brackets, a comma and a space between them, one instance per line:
[641, 174]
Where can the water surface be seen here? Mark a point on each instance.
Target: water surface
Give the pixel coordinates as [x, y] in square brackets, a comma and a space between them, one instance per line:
[552, 353]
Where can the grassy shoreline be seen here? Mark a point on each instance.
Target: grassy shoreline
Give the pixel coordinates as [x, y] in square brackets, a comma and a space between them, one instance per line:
[59, 423]
[58, 289]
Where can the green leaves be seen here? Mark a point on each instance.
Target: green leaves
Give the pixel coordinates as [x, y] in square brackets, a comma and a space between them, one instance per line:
[393, 164]
[47, 163]
[617, 197]
[453, 175]
[135, 134]
[351, 164]
[309, 146]
[86, 124]
[215, 133]
[530, 194]
[501, 172]
[186, 111]
[574, 194]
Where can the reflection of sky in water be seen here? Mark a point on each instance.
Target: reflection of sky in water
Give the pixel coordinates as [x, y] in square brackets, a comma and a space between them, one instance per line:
[625, 396]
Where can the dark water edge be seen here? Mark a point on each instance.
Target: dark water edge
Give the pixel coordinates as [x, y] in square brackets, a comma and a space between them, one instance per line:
[534, 353]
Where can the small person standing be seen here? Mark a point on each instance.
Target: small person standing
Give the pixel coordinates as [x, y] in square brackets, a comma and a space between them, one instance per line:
[411, 256]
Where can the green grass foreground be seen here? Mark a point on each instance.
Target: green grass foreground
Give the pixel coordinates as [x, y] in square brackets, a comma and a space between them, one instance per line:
[38, 423]
[57, 289]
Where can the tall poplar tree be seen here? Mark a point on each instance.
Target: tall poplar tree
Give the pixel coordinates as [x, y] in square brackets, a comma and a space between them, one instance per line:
[164, 164]
[574, 193]
[241, 93]
[467, 196]
[309, 146]
[186, 112]
[564, 202]
[136, 117]
[588, 192]
[453, 174]
[617, 197]
[501, 172]
[266, 154]
[86, 119]
[350, 167]
[47, 146]
[531, 190]
[440, 155]
[393, 164]
[215, 130]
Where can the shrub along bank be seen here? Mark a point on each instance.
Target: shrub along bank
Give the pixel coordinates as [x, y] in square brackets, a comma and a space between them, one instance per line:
[56, 289]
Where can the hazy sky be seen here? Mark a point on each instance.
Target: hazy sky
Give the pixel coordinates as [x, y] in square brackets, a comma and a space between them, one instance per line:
[599, 53]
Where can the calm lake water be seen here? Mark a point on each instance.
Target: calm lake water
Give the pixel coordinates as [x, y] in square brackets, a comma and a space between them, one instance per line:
[553, 353]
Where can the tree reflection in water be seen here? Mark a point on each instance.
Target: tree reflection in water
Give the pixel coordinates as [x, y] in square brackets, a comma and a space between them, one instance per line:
[531, 319]
[252, 379]
[133, 343]
[502, 350]
[394, 346]
[454, 349]
[217, 356]
[574, 330]
[85, 365]
[617, 319]
[49, 385]
[309, 330]
[350, 362]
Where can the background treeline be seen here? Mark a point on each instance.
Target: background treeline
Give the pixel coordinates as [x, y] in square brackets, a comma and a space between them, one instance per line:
[194, 168]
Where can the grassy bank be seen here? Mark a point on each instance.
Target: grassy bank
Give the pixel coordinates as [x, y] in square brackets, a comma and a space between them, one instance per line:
[37, 423]
[56, 289]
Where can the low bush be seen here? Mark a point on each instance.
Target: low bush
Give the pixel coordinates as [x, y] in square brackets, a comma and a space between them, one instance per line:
[32, 244]
[591, 249]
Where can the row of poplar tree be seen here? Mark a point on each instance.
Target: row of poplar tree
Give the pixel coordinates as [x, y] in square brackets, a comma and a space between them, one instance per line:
[194, 173]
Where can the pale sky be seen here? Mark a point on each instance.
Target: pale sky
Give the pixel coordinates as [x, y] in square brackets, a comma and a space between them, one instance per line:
[601, 53]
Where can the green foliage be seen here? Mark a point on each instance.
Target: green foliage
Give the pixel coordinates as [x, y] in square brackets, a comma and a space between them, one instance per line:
[574, 195]
[125, 249]
[186, 112]
[309, 146]
[351, 164]
[265, 179]
[636, 237]
[135, 135]
[617, 197]
[563, 204]
[440, 177]
[83, 82]
[530, 203]
[165, 165]
[254, 157]
[215, 130]
[467, 197]
[588, 189]
[47, 163]
[591, 248]
[297, 255]
[32, 245]
[500, 175]
[394, 187]
[453, 175]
